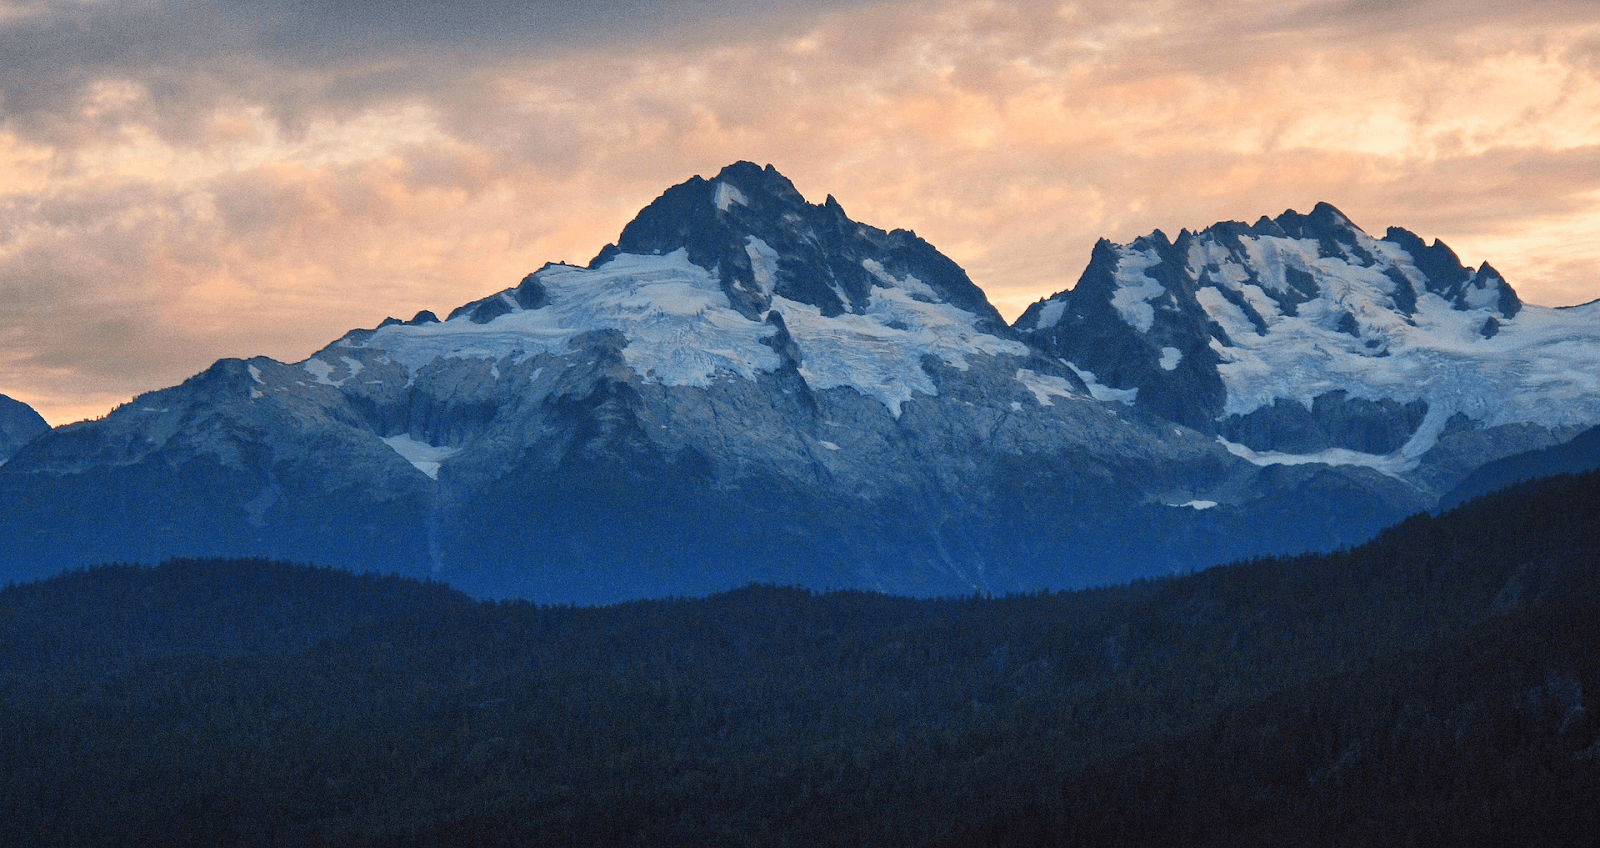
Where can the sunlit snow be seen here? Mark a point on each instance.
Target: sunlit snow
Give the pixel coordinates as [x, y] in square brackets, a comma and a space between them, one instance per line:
[680, 327]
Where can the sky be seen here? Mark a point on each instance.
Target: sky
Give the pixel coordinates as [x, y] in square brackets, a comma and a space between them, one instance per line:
[186, 180]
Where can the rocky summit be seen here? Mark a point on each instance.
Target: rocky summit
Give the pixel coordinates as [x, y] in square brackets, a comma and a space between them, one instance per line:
[1302, 339]
[748, 387]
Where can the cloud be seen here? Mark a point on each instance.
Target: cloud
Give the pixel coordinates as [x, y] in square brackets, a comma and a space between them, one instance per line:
[181, 181]
[332, 55]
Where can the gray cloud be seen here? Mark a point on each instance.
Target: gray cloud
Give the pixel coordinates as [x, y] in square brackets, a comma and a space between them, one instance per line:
[306, 56]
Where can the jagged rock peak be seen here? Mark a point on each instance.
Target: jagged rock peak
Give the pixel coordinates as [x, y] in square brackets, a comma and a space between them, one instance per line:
[1340, 237]
[751, 227]
[1205, 327]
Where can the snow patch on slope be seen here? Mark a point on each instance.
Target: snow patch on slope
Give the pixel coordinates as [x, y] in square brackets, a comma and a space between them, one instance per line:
[1393, 464]
[879, 352]
[1100, 391]
[909, 282]
[726, 195]
[1050, 314]
[1044, 386]
[321, 370]
[427, 458]
[763, 264]
[1135, 290]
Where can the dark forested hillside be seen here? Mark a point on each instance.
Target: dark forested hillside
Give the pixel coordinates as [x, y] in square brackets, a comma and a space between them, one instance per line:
[1481, 740]
[1438, 669]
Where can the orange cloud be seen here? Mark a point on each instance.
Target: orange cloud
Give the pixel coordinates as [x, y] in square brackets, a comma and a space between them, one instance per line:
[265, 202]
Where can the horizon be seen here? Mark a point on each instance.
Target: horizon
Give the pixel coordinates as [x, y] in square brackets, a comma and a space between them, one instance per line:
[185, 182]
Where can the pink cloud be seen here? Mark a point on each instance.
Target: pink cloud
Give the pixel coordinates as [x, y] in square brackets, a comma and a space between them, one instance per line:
[265, 203]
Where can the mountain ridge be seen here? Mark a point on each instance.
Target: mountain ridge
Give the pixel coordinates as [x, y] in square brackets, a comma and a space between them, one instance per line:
[747, 386]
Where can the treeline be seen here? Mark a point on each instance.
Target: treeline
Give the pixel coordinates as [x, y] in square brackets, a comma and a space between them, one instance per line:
[256, 703]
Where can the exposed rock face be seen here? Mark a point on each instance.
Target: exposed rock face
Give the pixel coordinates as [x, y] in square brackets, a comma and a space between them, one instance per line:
[1334, 420]
[748, 387]
[19, 424]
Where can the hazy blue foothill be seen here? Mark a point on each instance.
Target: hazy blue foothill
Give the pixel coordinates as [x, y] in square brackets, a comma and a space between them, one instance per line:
[750, 387]
[1580, 454]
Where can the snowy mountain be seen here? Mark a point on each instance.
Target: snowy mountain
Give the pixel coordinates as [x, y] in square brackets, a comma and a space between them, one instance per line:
[750, 387]
[1302, 339]
[19, 424]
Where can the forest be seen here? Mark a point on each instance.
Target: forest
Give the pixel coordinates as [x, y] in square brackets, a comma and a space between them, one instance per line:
[1427, 687]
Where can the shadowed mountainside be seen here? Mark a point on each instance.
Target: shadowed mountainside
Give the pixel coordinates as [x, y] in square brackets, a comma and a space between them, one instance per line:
[251, 703]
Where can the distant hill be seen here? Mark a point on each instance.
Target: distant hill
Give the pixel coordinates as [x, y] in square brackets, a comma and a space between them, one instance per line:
[1573, 457]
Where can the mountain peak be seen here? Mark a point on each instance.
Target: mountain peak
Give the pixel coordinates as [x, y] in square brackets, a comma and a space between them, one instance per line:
[760, 180]
[762, 239]
[1326, 211]
[1194, 327]
[1331, 228]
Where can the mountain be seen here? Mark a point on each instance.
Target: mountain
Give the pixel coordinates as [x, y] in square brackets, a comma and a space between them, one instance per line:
[750, 387]
[1303, 339]
[19, 424]
[1577, 456]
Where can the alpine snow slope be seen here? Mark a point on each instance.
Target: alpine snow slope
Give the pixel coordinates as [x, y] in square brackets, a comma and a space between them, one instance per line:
[749, 387]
